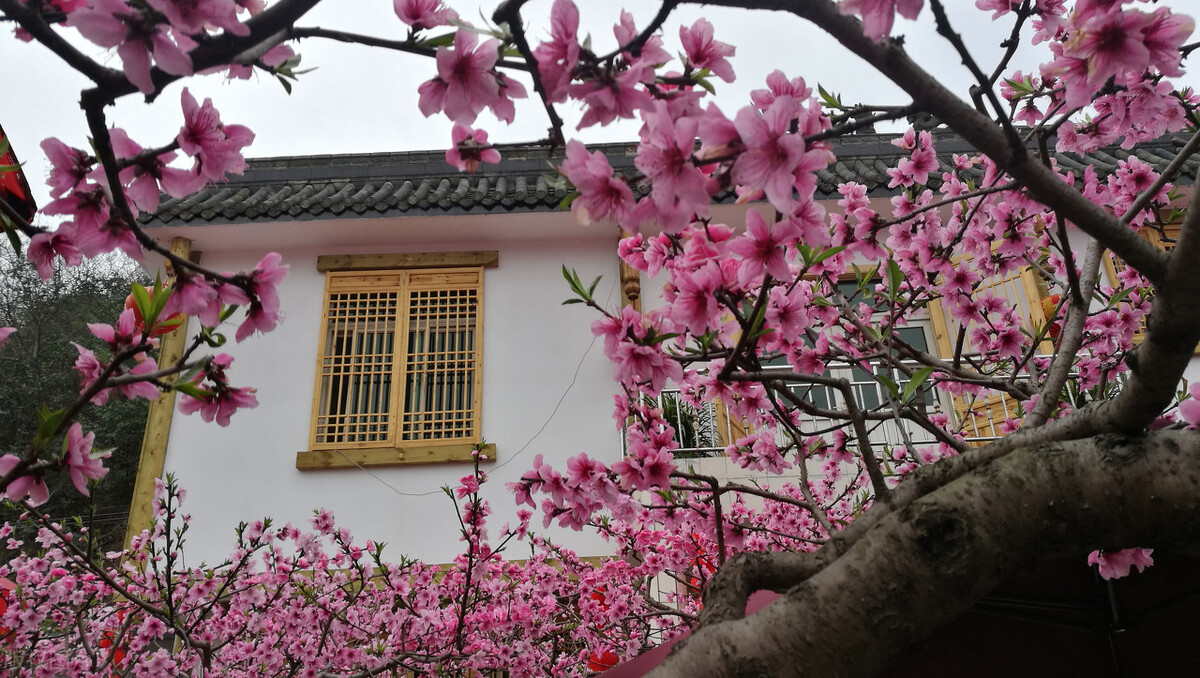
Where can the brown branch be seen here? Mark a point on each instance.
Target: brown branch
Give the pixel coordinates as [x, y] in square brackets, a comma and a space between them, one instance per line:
[634, 46]
[1075, 497]
[408, 46]
[1010, 45]
[1072, 339]
[93, 106]
[860, 123]
[890, 60]
[983, 84]
[1168, 174]
[29, 18]
[510, 12]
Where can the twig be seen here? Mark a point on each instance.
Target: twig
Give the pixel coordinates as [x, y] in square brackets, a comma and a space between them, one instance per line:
[409, 46]
[510, 12]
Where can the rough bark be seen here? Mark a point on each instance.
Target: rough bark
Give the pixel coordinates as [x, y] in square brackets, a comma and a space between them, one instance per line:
[923, 566]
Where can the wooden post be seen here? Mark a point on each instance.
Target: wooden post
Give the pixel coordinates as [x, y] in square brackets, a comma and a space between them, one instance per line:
[631, 286]
[158, 423]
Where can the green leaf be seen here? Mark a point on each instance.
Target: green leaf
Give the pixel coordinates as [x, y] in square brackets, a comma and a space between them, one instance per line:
[141, 299]
[894, 278]
[443, 40]
[10, 230]
[830, 100]
[188, 388]
[1119, 296]
[706, 84]
[576, 284]
[573, 301]
[4, 145]
[826, 253]
[1021, 87]
[805, 253]
[566, 274]
[101, 453]
[861, 277]
[889, 383]
[48, 423]
[592, 288]
[914, 384]
[567, 200]
[287, 86]
[190, 375]
[213, 339]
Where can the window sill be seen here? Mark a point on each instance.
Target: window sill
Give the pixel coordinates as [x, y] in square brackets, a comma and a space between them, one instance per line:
[316, 460]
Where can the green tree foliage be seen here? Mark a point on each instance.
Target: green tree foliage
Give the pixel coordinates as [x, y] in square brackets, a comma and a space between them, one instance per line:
[35, 369]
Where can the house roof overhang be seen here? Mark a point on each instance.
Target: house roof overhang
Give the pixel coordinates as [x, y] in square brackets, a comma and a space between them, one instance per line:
[361, 198]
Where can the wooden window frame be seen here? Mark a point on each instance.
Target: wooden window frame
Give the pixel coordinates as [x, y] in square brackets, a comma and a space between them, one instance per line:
[402, 275]
[1113, 265]
[979, 419]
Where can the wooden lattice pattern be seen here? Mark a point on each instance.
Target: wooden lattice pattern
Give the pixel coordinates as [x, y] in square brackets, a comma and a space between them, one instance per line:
[1019, 287]
[442, 363]
[1115, 266]
[981, 417]
[368, 394]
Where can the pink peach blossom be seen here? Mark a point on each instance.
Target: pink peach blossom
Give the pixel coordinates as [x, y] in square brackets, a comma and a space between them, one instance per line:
[81, 465]
[424, 14]
[470, 148]
[28, 487]
[704, 52]
[1117, 564]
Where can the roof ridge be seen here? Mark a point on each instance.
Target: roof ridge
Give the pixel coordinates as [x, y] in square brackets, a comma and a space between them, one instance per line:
[418, 183]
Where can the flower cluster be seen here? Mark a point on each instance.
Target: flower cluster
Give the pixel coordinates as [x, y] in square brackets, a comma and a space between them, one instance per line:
[158, 33]
[212, 396]
[258, 612]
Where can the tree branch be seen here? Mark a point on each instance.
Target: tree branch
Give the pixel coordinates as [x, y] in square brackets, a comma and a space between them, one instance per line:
[30, 19]
[408, 46]
[930, 562]
[510, 12]
[1045, 185]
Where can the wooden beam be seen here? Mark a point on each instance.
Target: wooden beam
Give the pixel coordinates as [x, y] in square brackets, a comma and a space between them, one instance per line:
[375, 262]
[315, 460]
[158, 422]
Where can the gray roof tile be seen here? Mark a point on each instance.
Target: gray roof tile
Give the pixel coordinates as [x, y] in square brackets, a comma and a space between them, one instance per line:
[422, 183]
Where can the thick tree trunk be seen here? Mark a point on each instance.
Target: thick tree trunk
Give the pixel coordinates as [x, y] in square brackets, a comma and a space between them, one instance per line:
[923, 566]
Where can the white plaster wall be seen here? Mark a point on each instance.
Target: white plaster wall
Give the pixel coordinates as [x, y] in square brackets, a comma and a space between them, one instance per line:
[532, 347]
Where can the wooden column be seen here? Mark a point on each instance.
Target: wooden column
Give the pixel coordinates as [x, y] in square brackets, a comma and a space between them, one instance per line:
[158, 423]
[631, 286]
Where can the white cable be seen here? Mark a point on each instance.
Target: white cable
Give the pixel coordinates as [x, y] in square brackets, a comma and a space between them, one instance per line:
[574, 379]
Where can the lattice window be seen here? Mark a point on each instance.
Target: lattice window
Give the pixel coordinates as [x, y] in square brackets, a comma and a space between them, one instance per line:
[981, 418]
[1164, 240]
[357, 368]
[441, 365]
[399, 359]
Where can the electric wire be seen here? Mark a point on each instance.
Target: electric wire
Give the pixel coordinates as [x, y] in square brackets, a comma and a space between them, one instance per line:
[517, 454]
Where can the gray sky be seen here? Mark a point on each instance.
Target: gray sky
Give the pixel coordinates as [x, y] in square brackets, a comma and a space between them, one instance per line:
[364, 100]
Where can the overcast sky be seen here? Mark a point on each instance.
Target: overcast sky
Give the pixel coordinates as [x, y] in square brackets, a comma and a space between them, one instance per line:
[364, 100]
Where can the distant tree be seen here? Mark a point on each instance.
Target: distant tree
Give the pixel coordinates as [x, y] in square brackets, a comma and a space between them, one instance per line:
[35, 370]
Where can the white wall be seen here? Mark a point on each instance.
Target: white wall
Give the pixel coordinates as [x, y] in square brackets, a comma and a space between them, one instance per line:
[532, 347]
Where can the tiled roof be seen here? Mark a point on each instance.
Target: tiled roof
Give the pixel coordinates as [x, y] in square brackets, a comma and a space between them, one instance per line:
[422, 183]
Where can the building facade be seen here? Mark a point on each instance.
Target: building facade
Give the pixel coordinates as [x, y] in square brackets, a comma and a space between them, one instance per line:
[422, 317]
